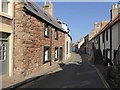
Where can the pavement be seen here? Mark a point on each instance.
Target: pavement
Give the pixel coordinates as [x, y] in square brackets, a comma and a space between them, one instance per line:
[14, 82]
[77, 73]
[102, 71]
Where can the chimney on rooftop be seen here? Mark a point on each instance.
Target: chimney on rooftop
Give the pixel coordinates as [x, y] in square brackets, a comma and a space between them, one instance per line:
[48, 6]
[115, 11]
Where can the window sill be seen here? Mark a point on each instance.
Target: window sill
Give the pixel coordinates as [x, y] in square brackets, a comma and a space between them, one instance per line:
[56, 38]
[46, 36]
[46, 61]
[56, 59]
[5, 15]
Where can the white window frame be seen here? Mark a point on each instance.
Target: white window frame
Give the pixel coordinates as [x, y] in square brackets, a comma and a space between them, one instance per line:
[46, 57]
[56, 53]
[3, 53]
[46, 32]
[8, 6]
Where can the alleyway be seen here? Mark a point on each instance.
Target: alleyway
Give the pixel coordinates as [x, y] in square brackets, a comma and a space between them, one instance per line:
[76, 74]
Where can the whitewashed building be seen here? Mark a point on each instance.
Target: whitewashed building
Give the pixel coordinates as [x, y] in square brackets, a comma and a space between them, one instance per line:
[80, 42]
[108, 39]
[68, 39]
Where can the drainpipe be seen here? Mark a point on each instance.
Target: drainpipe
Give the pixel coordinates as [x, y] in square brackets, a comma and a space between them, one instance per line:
[51, 45]
[13, 38]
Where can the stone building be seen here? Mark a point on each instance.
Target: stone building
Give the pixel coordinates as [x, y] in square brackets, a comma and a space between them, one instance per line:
[30, 38]
[80, 42]
[97, 27]
[38, 41]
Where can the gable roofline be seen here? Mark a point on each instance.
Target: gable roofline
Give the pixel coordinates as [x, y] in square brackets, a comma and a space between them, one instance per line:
[108, 25]
[41, 13]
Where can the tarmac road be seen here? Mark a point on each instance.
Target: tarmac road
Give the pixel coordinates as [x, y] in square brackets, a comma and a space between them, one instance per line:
[77, 74]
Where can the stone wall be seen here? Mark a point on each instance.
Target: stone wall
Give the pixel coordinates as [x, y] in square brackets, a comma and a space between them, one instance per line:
[29, 42]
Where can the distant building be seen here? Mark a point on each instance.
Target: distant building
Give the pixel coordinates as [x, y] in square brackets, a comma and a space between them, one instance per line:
[97, 27]
[108, 39]
[86, 44]
[68, 39]
[80, 42]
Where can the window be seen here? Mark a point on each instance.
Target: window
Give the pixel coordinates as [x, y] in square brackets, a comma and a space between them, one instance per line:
[56, 53]
[3, 51]
[5, 6]
[106, 35]
[103, 37]
[56, 34]
[46, 32]
[46, 54]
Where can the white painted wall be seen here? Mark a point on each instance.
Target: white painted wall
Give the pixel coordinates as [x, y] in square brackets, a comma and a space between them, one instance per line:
[101, 44]
[65, 27]
[107, 43]
[114, 38]
[67, 39]
[80, 43]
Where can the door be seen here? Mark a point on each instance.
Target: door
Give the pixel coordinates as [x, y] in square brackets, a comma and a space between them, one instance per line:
[4, 56]
[61, 54]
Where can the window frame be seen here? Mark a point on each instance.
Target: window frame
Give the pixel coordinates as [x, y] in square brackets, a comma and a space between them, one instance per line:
[6, 2]
[48, 31]
[49, 51]
[56, 34]
[56, 48]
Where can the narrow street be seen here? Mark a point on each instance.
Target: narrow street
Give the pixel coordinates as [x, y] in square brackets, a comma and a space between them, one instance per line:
[77, 74]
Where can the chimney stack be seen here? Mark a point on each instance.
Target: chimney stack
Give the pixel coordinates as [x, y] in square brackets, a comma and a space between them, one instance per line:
[115, 11]
[49, 7]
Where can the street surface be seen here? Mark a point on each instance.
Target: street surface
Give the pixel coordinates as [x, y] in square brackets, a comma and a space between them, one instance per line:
[77, 74]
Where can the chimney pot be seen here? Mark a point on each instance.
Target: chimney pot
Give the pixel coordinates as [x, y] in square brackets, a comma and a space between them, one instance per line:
[116, 5]
[113, 6]
[45, 3]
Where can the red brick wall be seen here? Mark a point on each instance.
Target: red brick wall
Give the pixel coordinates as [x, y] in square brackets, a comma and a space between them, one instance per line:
[29, 42]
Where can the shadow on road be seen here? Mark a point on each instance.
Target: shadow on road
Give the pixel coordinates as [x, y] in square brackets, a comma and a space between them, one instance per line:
[72, 75]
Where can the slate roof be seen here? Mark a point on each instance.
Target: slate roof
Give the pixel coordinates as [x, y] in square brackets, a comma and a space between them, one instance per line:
[40, 12]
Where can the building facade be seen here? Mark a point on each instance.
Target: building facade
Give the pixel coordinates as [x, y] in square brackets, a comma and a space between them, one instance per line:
[108, 39]
[86, 44]
[97, 27]
[68, 39]
[80, 42]
[6, 37]
[30, 38]
[38, 40]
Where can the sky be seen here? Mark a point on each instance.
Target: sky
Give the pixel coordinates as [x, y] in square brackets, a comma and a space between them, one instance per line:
[81, 16]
